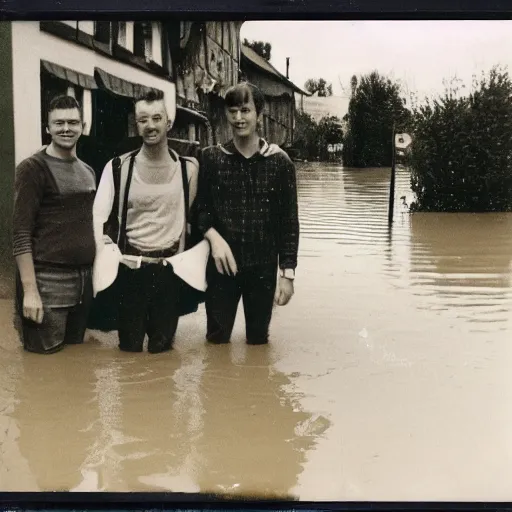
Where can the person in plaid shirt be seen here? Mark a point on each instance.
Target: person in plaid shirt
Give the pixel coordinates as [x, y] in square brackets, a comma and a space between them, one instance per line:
[247, 209]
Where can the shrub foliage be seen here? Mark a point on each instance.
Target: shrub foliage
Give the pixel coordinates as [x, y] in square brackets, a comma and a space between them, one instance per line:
[461, 156]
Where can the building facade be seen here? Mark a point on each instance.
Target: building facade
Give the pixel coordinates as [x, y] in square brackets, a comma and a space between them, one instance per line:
[103, 64]
[206, 62]
[280, 97]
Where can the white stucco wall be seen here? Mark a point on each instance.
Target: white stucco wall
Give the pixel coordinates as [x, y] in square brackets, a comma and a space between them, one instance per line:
[71, 23]
[30, 45]
[87, 27]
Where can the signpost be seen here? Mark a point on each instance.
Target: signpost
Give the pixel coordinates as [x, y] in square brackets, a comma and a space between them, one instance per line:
[400, 141]
[392, 183]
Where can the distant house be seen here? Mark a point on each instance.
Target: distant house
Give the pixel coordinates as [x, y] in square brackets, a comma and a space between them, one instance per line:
[318, 106]
[279, 116]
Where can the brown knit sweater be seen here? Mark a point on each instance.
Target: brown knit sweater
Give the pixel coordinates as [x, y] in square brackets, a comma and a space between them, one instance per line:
[52, 218]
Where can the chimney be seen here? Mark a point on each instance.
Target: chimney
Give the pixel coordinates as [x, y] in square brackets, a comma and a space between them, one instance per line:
[287, 67]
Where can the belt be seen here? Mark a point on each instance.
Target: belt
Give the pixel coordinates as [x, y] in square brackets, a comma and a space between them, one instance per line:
[159, 254]
[134, 258]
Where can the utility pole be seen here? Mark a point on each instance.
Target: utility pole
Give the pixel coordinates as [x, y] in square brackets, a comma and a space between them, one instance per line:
[392, 184]
[287, 67]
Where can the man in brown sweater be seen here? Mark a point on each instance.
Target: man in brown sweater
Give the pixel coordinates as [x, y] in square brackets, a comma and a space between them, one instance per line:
[53, 236]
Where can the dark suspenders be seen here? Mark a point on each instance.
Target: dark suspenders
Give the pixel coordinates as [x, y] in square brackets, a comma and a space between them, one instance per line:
[113, 228]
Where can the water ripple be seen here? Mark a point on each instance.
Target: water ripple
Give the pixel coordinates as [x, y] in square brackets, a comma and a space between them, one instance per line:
[445, 262]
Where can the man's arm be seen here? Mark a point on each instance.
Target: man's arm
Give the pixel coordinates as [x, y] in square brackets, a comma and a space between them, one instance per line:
[289, 229]
[192, 173]
[192, 166]
[205, 219]
[29, 185]
[288, 233]
[103, 204]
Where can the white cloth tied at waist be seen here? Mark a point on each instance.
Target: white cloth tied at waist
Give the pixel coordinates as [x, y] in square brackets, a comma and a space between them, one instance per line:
[189, 265]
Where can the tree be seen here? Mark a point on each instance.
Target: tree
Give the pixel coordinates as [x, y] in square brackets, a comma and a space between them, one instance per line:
[305, 135]
[461, 155]
[375, 106]
[311, 138]
[353, 84]
[328, 132]
[262, 48]
[319, 85]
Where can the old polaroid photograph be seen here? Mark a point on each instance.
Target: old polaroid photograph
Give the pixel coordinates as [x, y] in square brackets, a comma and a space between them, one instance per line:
[260, 258]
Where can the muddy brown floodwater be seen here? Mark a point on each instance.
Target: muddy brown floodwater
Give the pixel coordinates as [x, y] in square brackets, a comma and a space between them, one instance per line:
[387, 378]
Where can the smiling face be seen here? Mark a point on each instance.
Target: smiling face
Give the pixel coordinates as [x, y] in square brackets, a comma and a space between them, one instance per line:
[152, 122]
[65, 127]
[243, 119]
[244, 107]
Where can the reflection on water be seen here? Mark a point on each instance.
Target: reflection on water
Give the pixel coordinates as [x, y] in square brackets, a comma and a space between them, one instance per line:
[250, 425]
[387, 376]
[194, 420]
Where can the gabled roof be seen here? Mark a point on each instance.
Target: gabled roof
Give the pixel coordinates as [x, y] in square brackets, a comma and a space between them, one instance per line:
[265, 66]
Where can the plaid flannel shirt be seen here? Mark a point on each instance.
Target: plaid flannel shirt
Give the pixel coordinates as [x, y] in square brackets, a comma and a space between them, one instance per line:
[251, 202]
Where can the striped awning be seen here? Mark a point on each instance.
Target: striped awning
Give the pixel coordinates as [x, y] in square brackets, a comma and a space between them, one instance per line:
[118, 85]
[70, 75]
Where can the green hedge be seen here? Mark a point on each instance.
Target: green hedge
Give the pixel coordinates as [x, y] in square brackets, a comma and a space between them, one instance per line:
[461, 156]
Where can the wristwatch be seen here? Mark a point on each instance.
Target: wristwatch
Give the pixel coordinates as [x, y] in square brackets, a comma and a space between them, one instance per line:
[288, 273]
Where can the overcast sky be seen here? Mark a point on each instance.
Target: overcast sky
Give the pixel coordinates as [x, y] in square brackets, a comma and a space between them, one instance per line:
[419, 53]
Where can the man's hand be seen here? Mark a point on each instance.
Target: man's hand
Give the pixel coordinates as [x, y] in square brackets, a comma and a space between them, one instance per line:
[284, 291]
[33, 306]
[221, 253]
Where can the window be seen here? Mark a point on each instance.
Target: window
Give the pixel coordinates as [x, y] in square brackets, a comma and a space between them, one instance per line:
[156, 43]
[102, 31]
[124, 34]
[166, 53]
[142, 44]
[121, 36]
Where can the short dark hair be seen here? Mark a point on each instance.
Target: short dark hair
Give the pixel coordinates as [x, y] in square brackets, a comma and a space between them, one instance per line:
[242, 93]
[64, 102]
[149, 95]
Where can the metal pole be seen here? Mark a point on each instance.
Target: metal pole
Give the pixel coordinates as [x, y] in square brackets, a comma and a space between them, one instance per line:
[392, 184]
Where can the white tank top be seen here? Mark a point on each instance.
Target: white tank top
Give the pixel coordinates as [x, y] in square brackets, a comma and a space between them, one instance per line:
[156, 217]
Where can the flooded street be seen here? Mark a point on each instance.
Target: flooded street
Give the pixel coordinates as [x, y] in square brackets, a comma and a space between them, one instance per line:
[387, 376]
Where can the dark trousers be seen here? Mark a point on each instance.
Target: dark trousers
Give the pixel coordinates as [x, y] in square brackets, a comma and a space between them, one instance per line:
[256, 286]
[66, 294]
[148, 304]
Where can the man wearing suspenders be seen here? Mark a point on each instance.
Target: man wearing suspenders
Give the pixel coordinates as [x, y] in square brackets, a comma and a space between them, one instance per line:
[149, 216]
